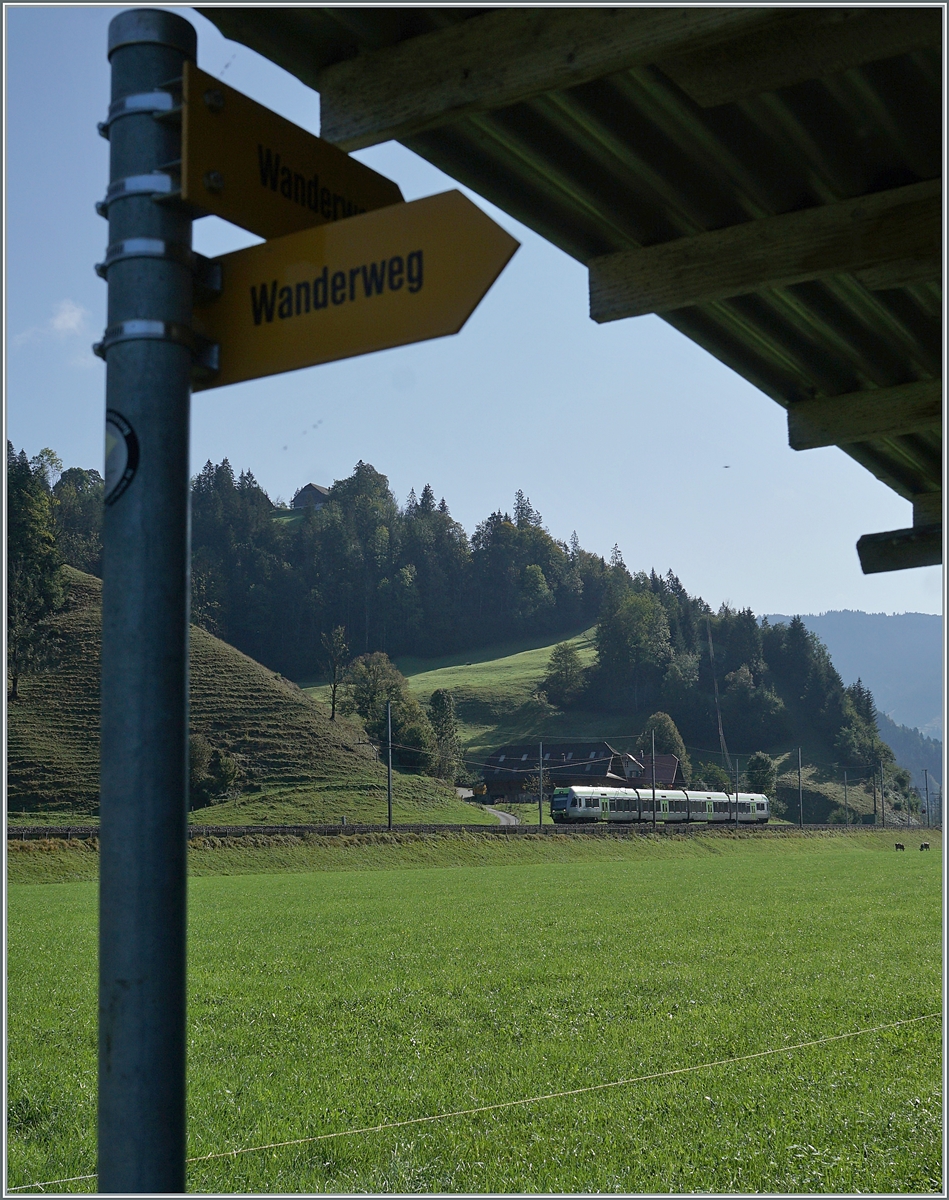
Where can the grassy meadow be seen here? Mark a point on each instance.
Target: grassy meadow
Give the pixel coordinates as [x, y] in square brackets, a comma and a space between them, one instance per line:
[494, 694]
[341, 984]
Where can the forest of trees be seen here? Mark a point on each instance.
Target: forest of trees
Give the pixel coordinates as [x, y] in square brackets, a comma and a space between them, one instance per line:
[364, 575]
[400, 580]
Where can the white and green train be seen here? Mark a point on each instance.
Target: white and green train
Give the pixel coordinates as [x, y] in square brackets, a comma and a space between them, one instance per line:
[631, 805]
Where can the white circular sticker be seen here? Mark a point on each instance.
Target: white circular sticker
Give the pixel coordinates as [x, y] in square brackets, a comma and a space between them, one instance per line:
[121, 455]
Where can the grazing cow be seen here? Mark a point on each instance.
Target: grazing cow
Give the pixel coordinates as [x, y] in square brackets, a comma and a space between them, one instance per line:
[924, 846]
[900, 846]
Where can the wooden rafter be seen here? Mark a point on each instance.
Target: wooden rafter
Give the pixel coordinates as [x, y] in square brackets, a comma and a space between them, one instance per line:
[927, 509]
[900, 549]
[857, 416]
[815, 43]
[773, 252]
[503, 57]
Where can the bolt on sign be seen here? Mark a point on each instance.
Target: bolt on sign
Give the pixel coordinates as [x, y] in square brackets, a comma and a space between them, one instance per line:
[242, 162]
[401, 274]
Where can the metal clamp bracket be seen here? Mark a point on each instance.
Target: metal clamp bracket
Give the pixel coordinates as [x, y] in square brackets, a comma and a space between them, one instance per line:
[143, 247]
[160, 104]
[158, 185]
[204, 353]
[208, 274]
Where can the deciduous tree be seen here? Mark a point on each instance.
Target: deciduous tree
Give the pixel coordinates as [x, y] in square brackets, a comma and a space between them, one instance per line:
[337, 653]
[34, 577]
[564, 679]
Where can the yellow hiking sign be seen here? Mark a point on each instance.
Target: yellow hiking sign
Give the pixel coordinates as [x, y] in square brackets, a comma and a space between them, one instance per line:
[387, 278]
[242, 162]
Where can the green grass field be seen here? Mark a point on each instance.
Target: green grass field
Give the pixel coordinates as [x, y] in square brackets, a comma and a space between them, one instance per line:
[338, 986]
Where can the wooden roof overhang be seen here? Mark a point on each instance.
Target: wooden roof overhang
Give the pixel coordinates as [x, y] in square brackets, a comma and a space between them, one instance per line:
[767, 180]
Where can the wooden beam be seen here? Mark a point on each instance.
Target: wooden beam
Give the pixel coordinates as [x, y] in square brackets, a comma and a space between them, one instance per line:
[900, 549]
[830, 239]
[903, 273]
[503, 57]
[927, 509]
[884, 412]
[816, 43]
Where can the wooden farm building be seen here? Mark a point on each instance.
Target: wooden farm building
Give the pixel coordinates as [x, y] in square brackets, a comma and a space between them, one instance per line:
[311, 495]
[510, 773]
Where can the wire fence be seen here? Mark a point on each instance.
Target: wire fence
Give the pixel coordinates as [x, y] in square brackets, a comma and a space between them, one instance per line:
[519, 1103]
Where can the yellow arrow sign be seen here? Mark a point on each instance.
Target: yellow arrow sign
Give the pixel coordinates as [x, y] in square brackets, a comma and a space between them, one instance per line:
[402, 274]
[242, 162]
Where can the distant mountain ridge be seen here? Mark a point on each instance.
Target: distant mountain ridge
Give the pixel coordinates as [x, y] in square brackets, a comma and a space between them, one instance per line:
[913, 750]
[898, 657]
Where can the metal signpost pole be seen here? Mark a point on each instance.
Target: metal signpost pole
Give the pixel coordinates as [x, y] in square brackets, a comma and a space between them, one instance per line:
[144, 731]
[389, 764]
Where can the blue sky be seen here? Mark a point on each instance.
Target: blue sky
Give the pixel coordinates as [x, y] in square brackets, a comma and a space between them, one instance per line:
[627, 432]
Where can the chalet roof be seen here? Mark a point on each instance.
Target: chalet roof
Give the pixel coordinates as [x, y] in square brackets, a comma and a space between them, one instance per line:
[573, 763]
[767, 179]
[558, 756]
[310, 493]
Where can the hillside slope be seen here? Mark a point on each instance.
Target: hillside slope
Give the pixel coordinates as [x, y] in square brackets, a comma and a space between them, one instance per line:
[496, 704]
[296, 765]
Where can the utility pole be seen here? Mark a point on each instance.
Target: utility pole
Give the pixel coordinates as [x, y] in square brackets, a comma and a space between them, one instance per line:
[882, 794]
[928, 815]
[389, 765]
[540, 788]
[654, 779]
[800, 789]
[149, 350]
[846, 804]
[736, 791]
[873, 777]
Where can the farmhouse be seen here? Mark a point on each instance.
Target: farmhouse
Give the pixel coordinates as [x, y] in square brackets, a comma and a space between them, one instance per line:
[311, 495]
[511, 771]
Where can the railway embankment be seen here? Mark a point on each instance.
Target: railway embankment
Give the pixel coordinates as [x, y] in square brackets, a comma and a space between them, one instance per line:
[29, 833]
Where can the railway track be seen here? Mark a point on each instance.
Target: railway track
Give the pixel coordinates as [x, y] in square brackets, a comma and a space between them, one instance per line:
[683, 829]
